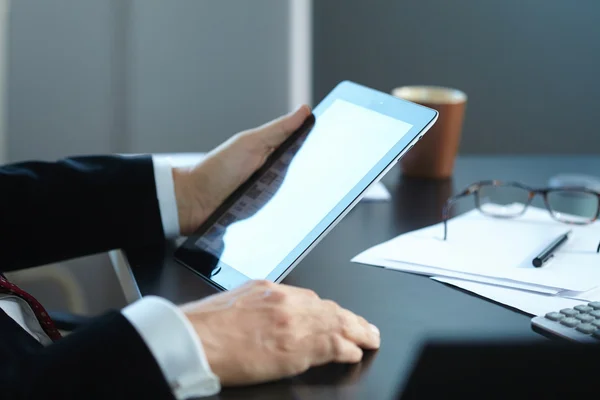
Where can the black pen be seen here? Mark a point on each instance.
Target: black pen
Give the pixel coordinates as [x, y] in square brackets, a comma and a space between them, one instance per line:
[548, 252]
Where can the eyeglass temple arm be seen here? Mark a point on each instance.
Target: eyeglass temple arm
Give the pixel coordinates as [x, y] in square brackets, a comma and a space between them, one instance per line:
[445, 213]
[450, 202]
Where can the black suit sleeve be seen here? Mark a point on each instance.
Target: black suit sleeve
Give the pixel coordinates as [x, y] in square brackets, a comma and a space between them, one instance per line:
[52, 211]
[105, 360]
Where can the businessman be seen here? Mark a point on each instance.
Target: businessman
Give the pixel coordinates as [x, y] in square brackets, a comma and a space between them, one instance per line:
[152, 348]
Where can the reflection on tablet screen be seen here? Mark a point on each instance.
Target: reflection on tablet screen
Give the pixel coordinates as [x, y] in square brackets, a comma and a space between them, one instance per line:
[277, 213]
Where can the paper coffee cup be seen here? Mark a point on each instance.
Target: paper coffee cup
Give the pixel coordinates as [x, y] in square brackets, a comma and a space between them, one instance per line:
[434, 155]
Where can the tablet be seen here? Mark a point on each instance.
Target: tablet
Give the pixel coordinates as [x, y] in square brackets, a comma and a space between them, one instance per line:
[306, 186]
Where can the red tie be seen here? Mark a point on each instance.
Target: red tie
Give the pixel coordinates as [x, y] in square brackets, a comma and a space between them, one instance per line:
[45, 321]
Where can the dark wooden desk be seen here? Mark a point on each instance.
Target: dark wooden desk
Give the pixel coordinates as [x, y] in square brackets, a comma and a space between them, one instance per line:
[407, 308]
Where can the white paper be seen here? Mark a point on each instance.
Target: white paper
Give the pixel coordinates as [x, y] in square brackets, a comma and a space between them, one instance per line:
[182, 159]
[377, 192]
[531, 303]
[590, 295]
[499, 248]
[365, 258]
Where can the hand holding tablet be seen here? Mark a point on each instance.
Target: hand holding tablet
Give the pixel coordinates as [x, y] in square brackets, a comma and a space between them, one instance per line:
[266, 226]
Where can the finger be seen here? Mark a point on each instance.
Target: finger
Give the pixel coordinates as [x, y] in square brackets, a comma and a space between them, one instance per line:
[273, 133]
[327, 348]
[358, 330]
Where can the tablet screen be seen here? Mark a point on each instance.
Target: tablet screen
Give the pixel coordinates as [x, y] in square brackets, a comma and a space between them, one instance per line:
[274, 220]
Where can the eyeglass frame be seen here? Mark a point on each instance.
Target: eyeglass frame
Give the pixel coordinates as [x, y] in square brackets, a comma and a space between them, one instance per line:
[476, 186]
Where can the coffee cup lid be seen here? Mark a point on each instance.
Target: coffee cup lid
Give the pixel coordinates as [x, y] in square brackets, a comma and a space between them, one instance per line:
[430, 94]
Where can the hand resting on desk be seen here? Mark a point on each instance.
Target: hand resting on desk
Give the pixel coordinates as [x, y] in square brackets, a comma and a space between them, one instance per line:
[262, 331]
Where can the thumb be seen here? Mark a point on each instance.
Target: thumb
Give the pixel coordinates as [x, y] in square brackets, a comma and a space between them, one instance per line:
[273, 133]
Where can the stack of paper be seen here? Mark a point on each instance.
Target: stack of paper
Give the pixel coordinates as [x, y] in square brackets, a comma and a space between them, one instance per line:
[493, 258]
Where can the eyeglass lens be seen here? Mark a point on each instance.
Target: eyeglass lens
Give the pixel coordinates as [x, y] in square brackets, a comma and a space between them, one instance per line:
[503, 200]
[571, 206]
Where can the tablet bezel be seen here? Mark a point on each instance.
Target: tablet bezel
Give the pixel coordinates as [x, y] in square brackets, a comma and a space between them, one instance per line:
[421, 118]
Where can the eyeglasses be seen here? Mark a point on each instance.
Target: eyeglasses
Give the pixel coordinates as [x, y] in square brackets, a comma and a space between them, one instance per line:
[569, 205]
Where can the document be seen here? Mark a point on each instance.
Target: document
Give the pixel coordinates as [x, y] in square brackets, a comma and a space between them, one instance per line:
[367, 259]
[377, 192]
[480, 248]
[528, 302]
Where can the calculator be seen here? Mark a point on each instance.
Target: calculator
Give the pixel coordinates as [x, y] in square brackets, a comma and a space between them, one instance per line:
[580, 323]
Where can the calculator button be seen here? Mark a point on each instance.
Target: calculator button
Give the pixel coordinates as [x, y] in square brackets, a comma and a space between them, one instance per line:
[583, 308]
[595, 313]
[596, 323]
[584, 317]
[596, 334]
[569, 312]
[571, 322]
[595, 305]
[586, 328]
[554, 316]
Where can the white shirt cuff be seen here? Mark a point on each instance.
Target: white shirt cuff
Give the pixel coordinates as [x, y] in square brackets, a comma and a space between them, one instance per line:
[165, 192]
[175, 345]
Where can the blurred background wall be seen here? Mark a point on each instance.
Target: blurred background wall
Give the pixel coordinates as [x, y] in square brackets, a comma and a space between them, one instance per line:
[113, 76]
[529, 67]
[142, 75]
[4, 9]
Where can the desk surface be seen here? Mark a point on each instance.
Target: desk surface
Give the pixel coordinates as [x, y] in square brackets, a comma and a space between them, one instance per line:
[407, 308]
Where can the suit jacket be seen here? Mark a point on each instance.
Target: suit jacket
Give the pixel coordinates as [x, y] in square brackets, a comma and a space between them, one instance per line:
[56, 211]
